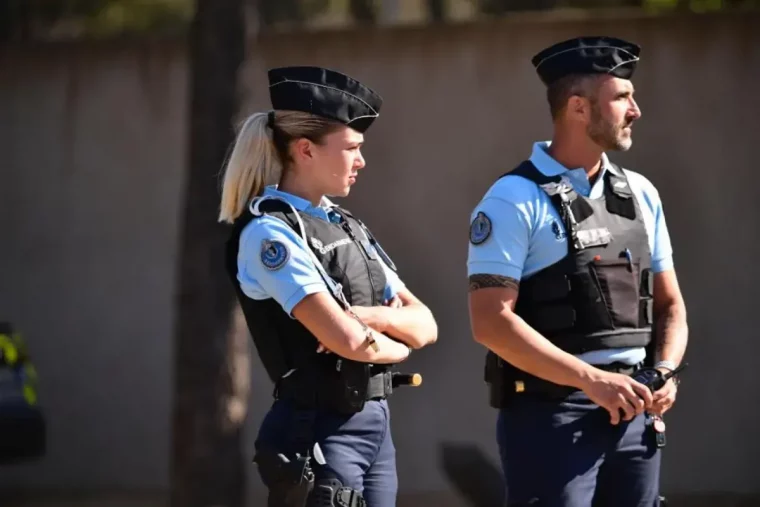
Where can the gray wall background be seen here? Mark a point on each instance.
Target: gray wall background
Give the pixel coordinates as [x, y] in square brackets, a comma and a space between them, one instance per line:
[92, 143]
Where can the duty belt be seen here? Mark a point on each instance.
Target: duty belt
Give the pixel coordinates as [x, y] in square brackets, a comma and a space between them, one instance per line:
[379, 386]
[535, 386]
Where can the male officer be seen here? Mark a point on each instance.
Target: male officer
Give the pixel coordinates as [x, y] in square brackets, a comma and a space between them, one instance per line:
[572, 289]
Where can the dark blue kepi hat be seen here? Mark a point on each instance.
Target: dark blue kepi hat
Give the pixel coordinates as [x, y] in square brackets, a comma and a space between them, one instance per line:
[326, 93]
[587, 55]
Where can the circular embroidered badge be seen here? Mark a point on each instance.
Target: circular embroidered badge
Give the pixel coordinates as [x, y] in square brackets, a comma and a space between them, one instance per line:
[274, 254]
[480, 228]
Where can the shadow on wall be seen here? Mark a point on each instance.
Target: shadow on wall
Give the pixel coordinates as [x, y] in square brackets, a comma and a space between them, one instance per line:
[472, 474]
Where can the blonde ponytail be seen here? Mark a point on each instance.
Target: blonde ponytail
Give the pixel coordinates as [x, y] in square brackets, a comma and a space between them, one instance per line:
[261, 152]
[252, 165]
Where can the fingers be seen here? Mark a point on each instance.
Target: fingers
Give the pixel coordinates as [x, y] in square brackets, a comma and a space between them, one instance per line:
[642, 392]
[395, 302]
[667, 390]
[614, 415]
[659, 409]
[624, 404]
[638, 404]
[663, 404]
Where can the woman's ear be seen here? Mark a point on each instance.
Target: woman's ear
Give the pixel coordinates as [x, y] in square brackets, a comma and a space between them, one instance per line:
[303, 150]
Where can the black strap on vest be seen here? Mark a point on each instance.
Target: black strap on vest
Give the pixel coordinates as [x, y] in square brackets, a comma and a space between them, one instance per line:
[372, 240]
[618, 194]
[278, 206]
[564, 198]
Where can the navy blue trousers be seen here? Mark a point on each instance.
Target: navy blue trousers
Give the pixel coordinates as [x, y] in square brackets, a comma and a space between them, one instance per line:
[567, 454]
[358, 449]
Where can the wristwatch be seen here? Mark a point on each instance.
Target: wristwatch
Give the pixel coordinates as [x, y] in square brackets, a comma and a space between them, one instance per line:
[670, 365]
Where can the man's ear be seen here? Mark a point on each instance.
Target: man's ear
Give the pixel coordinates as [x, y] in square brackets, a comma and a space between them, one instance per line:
[578, 108]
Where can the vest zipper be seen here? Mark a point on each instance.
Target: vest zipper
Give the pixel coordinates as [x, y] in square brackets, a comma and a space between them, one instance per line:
[347, 229]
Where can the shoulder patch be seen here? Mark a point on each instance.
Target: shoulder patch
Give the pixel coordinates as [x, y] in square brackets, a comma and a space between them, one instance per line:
[274, 254]
[480, 228]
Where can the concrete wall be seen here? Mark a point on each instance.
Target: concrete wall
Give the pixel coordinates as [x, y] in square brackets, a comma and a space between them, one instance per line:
[93, 155]
[92, 163]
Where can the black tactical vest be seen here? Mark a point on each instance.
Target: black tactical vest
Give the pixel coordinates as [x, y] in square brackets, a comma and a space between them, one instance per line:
[286, 348]
[599, 295]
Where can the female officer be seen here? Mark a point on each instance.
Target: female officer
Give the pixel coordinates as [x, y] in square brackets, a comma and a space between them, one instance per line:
[326, 309]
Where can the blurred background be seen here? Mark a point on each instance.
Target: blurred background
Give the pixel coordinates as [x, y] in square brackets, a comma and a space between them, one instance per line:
[115, 117]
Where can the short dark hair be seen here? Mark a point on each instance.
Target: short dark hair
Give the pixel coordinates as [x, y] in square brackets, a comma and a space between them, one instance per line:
[560, 91]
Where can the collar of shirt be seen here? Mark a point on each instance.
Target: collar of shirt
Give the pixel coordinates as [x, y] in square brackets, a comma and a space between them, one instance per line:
[323, 211]
[577, 177]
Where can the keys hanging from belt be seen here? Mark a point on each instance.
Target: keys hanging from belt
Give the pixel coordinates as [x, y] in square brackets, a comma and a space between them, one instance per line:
[658, 428]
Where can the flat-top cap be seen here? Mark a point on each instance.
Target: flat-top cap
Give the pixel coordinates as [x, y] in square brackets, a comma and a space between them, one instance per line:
[587, 55]
[326, 93]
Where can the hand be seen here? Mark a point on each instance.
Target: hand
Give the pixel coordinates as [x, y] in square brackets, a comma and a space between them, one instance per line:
[664, 398]
[615, 392]
[395, 302]
[375, 317]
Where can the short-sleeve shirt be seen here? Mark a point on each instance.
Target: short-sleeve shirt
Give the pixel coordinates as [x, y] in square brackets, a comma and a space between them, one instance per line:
[298, 276]
[527, 233]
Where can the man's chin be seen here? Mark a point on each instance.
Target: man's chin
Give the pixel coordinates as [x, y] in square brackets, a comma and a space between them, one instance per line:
[619, 145]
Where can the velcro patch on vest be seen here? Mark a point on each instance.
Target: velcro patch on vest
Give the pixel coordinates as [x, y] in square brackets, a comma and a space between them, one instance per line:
[323, 249]
[274, 254]
[594, 237]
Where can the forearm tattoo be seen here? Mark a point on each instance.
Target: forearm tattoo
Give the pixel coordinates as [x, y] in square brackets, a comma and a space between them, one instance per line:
[485, 281]
[671, 331]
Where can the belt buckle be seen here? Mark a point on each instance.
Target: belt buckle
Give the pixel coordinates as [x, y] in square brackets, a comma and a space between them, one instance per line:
[387, 383]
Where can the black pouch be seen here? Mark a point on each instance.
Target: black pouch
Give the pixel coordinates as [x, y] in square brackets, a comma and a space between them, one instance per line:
[493, 374]
[590, 303]
[348, 392]
[552, 311]
[618, 283]
[500, 377]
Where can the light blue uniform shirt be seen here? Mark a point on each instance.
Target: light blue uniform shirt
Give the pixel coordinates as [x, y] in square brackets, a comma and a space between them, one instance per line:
[297, 276]
[522, 240]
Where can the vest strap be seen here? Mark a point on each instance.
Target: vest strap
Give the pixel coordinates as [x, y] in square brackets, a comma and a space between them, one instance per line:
[335, 288]
[386, 258]
[618, 194]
